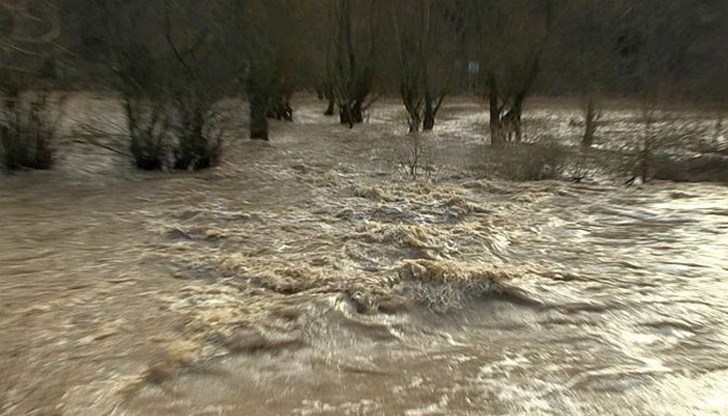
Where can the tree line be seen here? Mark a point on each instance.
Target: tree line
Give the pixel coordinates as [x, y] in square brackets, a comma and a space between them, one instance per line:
[172, 60]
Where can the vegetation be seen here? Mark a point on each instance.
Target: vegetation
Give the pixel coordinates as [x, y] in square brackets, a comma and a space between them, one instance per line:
[165, 66]
[28, 128]
[529, 161]
[173, 61]
[415, 157]
[425, 50]
[29, 131]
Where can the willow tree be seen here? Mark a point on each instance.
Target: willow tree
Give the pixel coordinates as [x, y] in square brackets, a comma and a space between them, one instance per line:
[426, 41]
[508, 39]
[261, 47]
[318, 18]
[585, 52]
[353, 56]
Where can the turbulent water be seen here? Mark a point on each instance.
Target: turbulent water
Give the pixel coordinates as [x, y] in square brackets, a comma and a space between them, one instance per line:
[303, 277]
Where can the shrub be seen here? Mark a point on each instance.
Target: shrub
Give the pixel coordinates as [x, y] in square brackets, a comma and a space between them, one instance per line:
[148, 124]
[169, 124]
[199, 143]
[414, 156]
[166, 135]
[28, 131]
[525, 161]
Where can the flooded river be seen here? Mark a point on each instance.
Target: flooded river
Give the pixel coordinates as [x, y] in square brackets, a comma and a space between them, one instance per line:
[301, 277]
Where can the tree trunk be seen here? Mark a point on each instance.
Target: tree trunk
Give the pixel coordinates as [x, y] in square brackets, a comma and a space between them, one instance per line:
[518, 126]
[351, 114]
[330, 108]
[357, 113]
[414, 122]
[496, 131]
[414, 109]
[258, 120]
[280, 109]
[428, 122]
[328, 93]
[514, 117]
[345, 116]
[590, 125]
[510, 125]
[496, 135]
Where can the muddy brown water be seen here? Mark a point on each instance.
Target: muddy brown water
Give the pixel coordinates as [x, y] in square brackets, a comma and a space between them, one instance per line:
[302, 277]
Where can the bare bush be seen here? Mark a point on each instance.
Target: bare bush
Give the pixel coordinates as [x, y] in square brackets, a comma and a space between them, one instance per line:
[167, 65]
[28, 126]
[199, 143]
[148, 108]
[526, 161]
[179, 135]
[28, 131]
[148, 124]
[673, 146]
[414, 156]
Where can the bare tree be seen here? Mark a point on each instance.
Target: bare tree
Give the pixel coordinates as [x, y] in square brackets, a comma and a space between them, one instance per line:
[28, 116]
[587, 54]
[425, 45]
[319, 24]
[261, 48]
[508, 39]
[352, 56]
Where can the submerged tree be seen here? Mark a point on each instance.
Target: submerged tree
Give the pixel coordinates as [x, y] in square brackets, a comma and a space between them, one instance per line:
[261, 48]
[353, 53]
[587, 54]
[317, 70]
[508, 39]
[164, 55]
[426, 39]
